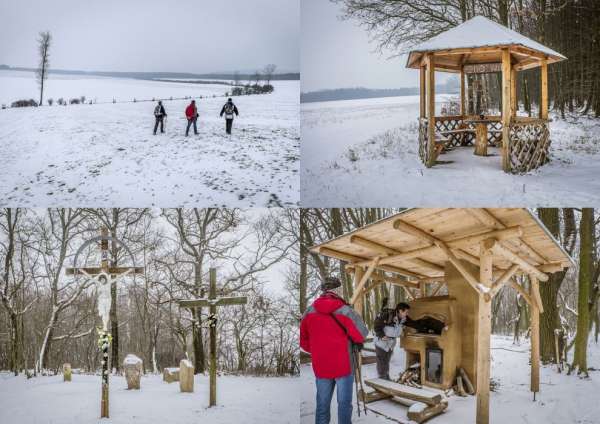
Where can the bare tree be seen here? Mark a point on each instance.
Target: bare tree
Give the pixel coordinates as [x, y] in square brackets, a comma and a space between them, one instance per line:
[268, 72]
[236, 78]
[257, 77]
[44, 51]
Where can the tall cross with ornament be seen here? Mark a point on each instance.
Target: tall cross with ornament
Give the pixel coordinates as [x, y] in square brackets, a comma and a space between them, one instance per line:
[104, 276]
[212, 302]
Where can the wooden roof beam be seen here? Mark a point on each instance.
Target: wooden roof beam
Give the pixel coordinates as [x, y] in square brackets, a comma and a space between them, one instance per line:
[387, 251]
[505, 278]
[509, 255]
[358, 290]
[513, 283]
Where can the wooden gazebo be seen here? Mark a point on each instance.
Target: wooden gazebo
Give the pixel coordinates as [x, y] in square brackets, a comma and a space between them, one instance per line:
[478, 46]
[459, 259]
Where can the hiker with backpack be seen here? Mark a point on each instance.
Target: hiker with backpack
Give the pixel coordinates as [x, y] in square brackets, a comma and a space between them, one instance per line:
[229, 109]
[333, 333]
[159, 115]
[388, 327]
[191, 113]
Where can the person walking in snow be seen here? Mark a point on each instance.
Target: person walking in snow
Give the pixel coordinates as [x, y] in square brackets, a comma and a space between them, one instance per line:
[191, 113]
[159, 116]
[388, 327]
[229, 109]
[328, 330]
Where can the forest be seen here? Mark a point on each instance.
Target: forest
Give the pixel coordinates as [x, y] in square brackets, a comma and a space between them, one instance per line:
[571, 27]
[570, 299]
[48, 318]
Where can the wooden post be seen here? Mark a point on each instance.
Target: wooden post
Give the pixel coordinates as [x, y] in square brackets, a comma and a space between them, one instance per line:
[514, 105]
[422, 84]
[359, 304]
[535, 338]
[462, 92]
[430, 62]
[506, 103]
[104, 402]
[213, 338]
[483, 335]
[544, 90]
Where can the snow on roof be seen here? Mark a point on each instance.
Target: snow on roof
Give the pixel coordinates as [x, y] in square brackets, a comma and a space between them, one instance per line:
[481, 32]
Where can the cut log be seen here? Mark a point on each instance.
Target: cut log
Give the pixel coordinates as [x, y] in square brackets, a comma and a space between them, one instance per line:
[133, 368]
[374, 396]
[402, 391]
[66, 372]
[186, 376]
[170, 375]
[419, 414]
[466, 382]
[459, 387]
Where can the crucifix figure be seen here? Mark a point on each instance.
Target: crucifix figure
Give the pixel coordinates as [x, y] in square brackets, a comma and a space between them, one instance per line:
[104, 277]
[212, 302]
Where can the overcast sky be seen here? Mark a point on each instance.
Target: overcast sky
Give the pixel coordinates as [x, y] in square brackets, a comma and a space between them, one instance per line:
[153, 35]
[338, 54]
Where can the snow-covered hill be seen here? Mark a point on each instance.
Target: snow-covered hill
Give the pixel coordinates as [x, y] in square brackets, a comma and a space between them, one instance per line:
[47, 400]
[562, 399]
[357, 153]
[104, 155]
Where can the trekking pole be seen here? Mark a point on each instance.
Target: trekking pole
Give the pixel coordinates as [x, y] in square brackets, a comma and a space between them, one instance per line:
[359, 383]
[356, 385]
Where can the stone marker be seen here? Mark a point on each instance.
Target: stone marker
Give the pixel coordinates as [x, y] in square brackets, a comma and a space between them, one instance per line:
[133, 367]
[186, 376]
[170, 375]
[66, 372]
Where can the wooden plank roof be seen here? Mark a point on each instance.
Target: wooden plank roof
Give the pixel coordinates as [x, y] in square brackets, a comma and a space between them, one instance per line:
[385, 240]
[480, 40]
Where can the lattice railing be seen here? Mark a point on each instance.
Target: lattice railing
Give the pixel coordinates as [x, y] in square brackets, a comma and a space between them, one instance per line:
[528, 146]
[423, 151]
[443, 124]
[494, 133]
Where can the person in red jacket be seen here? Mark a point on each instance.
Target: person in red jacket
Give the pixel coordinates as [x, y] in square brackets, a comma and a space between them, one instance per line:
[327, 330]
[191, 113]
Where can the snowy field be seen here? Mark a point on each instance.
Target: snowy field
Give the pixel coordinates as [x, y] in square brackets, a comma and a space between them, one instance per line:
[47, 400]
[105, 155]
[562, 399]
[364, 153]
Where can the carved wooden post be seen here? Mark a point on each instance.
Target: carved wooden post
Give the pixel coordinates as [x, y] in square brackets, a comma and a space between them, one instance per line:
[213, 337]
[430, 61]
[506, 103]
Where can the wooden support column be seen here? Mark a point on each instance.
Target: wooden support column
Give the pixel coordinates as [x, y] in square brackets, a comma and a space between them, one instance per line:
[212, 294]
[544, 90]
[484, 328]
[359, 302]
[430, 63]
[535, 337]
[506, 102]
[422, 85]
[462, 92]
[514, 105]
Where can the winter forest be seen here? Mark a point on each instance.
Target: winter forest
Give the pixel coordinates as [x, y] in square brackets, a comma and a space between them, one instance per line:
[568, 26]
[571, 317]
[49, 318]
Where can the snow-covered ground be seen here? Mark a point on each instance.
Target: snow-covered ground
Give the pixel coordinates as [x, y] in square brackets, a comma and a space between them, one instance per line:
[47, 400]
[562, 398]
[358, 153]
[104, 155]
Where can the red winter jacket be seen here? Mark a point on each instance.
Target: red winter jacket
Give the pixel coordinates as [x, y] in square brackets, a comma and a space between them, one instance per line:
[191, 111]
[325, 340]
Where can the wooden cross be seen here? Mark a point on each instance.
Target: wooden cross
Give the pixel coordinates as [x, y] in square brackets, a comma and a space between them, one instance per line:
[212, 302]
[104, 275]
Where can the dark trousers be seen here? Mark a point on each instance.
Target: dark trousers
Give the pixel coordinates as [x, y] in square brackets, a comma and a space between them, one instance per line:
[159, 119]
[190, 122]
[383, 362]
[228, 125]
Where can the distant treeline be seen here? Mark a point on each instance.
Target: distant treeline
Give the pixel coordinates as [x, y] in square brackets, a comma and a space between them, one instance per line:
[450, 87]
[157, 75]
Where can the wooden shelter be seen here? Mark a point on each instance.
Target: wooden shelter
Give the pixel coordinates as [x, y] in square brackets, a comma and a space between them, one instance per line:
[474, 47]
[451, 263]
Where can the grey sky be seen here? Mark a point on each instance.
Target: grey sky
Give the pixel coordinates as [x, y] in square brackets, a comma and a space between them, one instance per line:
[336, 53]
[153, 35]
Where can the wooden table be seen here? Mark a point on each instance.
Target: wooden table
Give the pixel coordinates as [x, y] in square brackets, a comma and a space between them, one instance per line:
[481, 135]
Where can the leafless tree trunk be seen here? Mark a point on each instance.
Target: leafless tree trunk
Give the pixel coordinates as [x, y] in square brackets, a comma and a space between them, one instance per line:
[44, 51]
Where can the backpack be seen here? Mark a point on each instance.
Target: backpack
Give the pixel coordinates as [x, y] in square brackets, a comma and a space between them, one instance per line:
[157, 110]
[229, 109]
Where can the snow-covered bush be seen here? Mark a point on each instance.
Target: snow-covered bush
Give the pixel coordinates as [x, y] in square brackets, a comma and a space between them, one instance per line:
[74, 101]
[61, 101]
[50, 101]
[24, 103]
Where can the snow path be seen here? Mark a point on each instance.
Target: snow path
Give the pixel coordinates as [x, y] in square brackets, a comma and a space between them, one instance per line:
[105, 155]
[363, 153]
[47, 400]
[563, 399]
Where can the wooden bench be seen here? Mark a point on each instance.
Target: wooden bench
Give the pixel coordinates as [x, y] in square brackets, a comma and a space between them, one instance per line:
[422, 404]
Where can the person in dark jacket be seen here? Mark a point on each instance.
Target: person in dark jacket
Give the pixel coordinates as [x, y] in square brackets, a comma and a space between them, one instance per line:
[191, 113]
[159, 115]
[229, 109]
[328, 329]
[388, 327]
